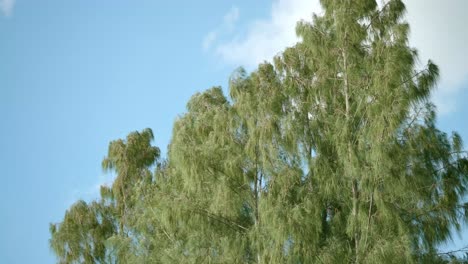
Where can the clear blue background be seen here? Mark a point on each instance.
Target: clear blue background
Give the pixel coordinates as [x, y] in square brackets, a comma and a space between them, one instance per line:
[75, 75]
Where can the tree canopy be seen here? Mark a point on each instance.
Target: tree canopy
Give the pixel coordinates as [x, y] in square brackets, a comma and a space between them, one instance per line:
[330, 154]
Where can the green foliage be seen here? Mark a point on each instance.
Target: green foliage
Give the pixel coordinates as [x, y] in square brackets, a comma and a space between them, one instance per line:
[94, 233]
[80, 238]
[329, 155]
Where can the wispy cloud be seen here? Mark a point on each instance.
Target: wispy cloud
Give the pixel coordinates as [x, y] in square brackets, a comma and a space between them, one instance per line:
[231, 17]
[209, 39]
[266, 37]
[229, 23]
[6, 7]
[438, 29]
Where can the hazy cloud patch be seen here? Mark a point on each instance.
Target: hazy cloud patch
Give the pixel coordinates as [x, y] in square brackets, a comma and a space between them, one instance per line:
[229, 23]
[231, 17]
[266, 37]
[6, 7]
[208, 40]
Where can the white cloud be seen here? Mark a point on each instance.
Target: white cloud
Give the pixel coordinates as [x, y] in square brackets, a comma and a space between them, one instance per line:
[229, 23]
[266, 37]
[209, 39]
[6, 7]
[231, 17]
[439, 31]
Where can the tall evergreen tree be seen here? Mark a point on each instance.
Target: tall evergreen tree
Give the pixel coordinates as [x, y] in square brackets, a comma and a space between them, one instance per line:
[329, 155]
[374, 155]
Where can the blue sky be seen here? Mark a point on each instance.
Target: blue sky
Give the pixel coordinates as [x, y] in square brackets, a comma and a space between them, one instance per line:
[75, 75]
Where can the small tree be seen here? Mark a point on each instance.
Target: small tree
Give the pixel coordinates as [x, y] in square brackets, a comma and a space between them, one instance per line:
[99, 232]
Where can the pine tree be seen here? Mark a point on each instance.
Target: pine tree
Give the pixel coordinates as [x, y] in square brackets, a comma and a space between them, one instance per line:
[81, 236]
[99, 232]
[329, 155]
[391, 183]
